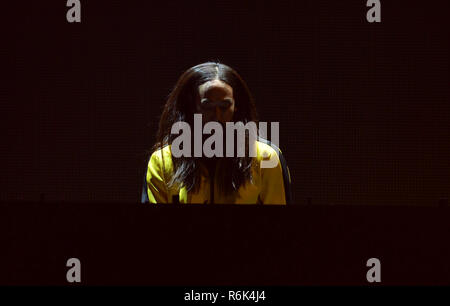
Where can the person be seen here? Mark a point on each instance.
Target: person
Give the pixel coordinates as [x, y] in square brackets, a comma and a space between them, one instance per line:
[218, 93]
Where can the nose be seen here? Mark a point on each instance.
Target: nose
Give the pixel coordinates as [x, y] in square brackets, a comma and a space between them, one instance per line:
[218, 114]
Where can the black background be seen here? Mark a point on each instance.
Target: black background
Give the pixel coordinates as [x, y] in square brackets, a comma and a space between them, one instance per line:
[363, 107]
[364, 116]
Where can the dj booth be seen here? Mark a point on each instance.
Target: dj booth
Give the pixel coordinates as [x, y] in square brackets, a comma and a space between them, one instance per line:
[213, 245]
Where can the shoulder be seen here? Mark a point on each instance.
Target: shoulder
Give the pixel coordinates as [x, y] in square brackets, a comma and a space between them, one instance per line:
[161, 158]
[265, 151]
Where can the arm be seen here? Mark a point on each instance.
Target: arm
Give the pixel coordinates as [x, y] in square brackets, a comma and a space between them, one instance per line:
[156, 186]
[272, 189]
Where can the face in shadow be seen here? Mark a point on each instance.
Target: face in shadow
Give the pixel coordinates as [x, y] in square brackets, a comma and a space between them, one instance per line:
[215, 102]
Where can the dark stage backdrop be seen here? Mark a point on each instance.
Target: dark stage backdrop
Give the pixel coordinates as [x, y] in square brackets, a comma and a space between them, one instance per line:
[363, 107]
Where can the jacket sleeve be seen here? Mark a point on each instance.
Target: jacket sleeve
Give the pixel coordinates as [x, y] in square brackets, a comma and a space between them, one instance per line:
[156, 186]
[272, 188]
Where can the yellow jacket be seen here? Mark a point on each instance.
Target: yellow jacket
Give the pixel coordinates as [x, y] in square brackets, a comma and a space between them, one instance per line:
[267, 186]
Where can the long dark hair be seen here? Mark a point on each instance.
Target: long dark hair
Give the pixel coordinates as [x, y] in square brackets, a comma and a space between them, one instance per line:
[180, 106]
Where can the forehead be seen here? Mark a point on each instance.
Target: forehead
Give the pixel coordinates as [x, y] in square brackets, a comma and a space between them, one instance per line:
[215, 89]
